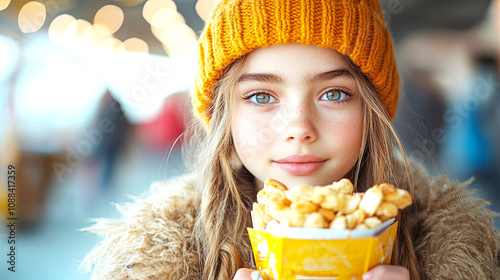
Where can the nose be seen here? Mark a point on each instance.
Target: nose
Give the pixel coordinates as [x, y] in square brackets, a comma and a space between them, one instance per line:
[300, 124]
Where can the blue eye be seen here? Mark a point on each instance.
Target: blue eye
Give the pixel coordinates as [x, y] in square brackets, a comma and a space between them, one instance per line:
[334, 95]
[263, 98]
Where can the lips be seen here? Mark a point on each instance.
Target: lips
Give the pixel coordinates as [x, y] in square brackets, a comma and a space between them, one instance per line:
[300, 165]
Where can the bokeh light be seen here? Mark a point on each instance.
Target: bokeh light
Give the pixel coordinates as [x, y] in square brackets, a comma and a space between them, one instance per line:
[83, 35]
[204, 8]
[111, 44]
[130, 3]
[184, 46]
[4, 4]
[157, 31]
[151, 7]
[100, 34]
[62, 30]
[174, 31]
[164, 17]
[136, 45]
[32, 17]
[109, 16]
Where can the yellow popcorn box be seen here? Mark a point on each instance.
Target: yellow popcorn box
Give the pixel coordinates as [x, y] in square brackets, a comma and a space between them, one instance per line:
[285, 253]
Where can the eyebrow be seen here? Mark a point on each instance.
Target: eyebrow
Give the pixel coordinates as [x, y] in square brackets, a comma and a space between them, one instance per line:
[329, 75]
[260, 77]
[275, 79]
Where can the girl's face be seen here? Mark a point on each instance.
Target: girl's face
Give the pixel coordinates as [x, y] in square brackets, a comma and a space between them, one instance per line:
[296, 115]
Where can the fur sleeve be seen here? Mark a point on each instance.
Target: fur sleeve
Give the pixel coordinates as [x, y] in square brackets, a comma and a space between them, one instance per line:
[458, 239]
[151, 241]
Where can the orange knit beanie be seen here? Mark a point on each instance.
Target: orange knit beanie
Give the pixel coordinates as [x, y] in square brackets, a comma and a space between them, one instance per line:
[355, 28]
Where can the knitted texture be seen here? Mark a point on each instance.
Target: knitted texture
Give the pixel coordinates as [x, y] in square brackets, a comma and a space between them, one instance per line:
[355, 28]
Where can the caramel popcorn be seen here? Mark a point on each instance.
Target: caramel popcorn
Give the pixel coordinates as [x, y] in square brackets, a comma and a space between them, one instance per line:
[335, 206]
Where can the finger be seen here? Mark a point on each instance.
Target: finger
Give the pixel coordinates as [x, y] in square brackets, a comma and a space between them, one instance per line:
[256, 275]
[387, 272]
[245, 274]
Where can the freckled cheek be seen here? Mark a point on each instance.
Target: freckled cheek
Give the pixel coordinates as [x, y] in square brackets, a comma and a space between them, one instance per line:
[252, 136]
[348, 133]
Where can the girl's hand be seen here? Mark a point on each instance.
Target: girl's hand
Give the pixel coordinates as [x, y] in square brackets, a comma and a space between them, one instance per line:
[247, 274]
[387, 272]
[381, 272]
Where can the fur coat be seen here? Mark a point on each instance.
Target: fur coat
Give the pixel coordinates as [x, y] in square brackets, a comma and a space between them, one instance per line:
[453, 234]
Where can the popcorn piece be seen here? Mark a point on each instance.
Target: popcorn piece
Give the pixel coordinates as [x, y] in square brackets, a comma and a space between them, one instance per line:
[294, 219]
[300, 193]
[260, 216]
[336, 202]
[371, 200]
[315, 220]
[319, 194]
[340, 222]
[386, 210]
[372, 222]
[355, 218]
[275, 184]
[401, 198]
[304, 207]
[329, 215]
[342, 186]
[352, 203]
[269, 193]
[387, 188]
[273, 193]
[361, 227]
[279, 212]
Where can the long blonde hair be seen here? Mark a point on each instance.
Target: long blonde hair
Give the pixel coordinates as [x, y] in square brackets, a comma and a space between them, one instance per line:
[378, 162]
[228, 190]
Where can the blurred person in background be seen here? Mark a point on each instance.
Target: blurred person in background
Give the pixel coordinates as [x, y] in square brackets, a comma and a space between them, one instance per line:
[106, 154]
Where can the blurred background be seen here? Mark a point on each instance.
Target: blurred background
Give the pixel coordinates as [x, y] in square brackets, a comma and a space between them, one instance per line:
[93, 97]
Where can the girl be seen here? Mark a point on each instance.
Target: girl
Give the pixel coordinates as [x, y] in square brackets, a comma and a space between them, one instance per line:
[302, 91]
